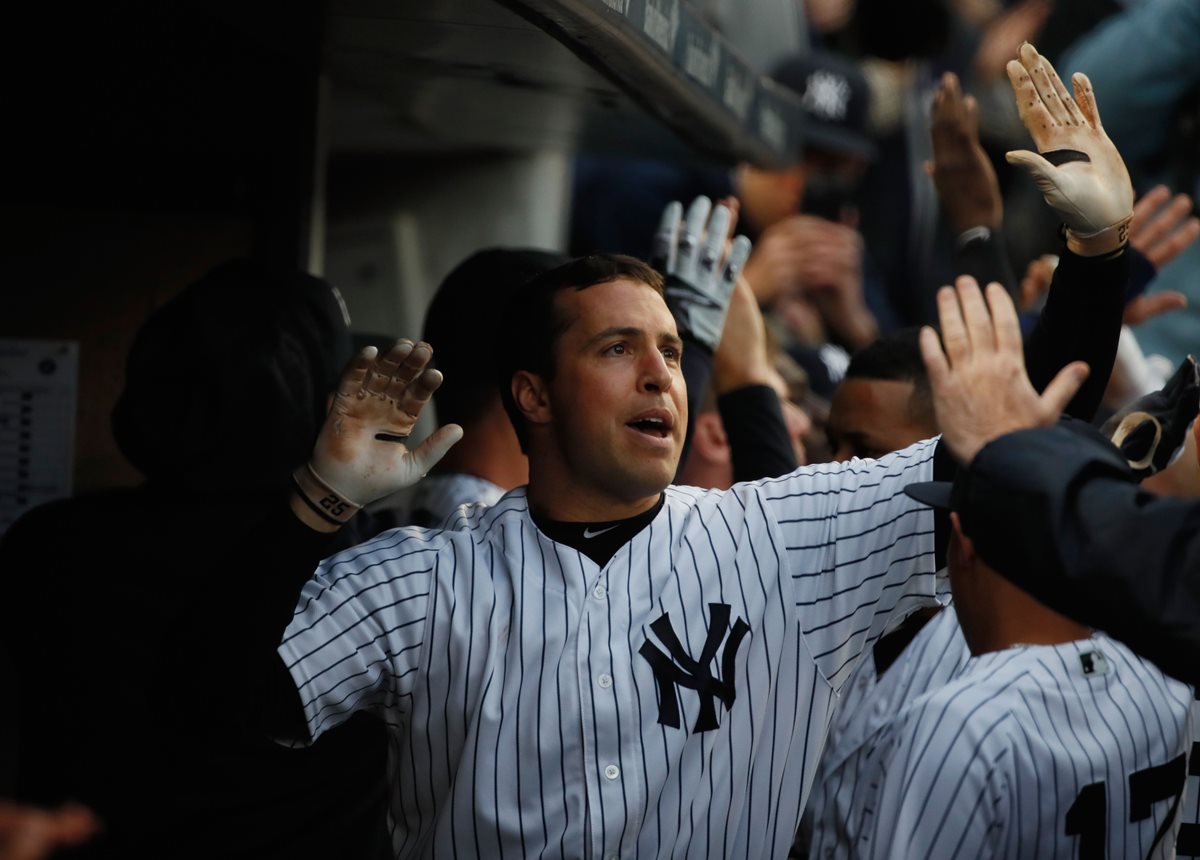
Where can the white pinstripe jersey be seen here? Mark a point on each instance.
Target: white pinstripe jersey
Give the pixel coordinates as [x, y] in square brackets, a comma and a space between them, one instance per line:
[523, 674]
[868, 703]
[1071, 751]
[1188, 843]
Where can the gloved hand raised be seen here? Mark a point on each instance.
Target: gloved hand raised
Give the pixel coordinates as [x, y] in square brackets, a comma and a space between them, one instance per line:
[360, 455]
[1078, 169]
[699, 275]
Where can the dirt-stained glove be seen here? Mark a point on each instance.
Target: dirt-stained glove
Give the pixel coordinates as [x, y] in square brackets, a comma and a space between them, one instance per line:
[360, 455]
[699, 275]
[1151, 431]
[1077, 168]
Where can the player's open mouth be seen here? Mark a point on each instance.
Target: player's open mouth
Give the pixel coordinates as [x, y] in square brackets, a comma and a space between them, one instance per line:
[656, 424]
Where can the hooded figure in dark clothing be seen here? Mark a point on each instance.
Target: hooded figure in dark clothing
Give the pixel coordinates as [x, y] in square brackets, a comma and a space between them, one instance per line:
[226, 388]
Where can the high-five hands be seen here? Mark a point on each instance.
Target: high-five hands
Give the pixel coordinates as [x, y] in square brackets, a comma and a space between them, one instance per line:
[700, 275]
[977, 371]
[360, 455]
[1077, 168]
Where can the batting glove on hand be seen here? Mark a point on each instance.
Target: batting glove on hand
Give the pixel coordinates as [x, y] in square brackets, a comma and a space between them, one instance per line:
[360, 455]
[1150, 432]
[1078, 169]
[689, 255]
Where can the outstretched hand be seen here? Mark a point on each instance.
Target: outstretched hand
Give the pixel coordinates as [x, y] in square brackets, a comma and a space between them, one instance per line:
[961, 170]
[1076, 166]
[701, 265]
[977, 371]
[360, 453]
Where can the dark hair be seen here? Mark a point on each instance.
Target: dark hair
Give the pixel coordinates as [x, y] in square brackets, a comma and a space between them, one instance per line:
[897, 357]
[532, 324]
[462, 325]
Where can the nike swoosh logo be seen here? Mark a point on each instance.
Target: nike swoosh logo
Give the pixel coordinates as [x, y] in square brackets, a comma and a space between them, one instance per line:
[588, 533]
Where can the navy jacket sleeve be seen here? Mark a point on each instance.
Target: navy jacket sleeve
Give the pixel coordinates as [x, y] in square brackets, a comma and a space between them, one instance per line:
[1056, 511]
[1080, 322]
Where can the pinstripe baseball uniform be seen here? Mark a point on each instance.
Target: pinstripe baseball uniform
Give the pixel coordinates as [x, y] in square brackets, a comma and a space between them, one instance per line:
[670, 703]
[868, 703]
[1076, 750]
[1188, 843]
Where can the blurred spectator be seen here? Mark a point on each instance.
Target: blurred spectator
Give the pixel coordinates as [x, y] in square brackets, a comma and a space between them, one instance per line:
[96, 585]
[816, 258]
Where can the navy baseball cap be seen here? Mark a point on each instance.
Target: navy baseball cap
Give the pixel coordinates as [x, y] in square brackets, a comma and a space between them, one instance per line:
[835, 97]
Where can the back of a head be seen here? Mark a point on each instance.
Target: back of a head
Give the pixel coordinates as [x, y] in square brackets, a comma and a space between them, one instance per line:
[896, 357]
[229, 379]
[463, 325]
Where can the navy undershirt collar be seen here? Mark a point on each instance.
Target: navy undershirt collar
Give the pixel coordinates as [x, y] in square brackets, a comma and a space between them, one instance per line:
[599, 541]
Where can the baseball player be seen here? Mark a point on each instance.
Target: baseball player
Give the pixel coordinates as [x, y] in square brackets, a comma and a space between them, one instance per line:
[870, 699]
[600, 664]
[1050, 740]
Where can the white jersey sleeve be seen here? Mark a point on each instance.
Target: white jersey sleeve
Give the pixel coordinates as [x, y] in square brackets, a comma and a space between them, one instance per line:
[858, 550]
[355, 639]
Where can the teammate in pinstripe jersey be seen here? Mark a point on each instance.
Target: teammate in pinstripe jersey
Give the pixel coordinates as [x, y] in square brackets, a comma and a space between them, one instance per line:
[574, 682]
[1051, 741]
[869, 701]
[601, 664]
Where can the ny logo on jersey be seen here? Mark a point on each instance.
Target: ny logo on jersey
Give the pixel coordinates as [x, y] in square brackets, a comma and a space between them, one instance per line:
[695, 674]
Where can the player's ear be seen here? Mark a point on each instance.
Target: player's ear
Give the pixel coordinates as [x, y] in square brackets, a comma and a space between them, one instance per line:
[964, 542]
[531, 395]
[709, 440]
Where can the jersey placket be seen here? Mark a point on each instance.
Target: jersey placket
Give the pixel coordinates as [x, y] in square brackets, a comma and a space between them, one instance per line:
[609, 727]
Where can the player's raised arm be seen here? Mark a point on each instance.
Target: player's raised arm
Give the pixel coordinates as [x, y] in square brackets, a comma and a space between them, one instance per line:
[361, 453]
[1083, 178]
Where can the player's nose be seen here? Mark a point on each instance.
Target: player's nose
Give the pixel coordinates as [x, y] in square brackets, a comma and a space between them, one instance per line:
[655, 374]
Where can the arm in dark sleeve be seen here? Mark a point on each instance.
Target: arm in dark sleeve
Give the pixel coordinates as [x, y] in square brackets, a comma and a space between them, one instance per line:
[983, 257]
[1080, 322]
[758, 437]
[1056, 511]
[232, 638]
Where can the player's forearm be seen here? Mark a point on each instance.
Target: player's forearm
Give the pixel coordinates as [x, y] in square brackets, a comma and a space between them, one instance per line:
[231, 640]
[757, 433]
[1059, 514]
[1080, 322]
[979, 252]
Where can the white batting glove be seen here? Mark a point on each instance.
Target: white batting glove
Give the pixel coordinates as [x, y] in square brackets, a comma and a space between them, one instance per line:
[1078, 169]
[360, 455]
[698, 286]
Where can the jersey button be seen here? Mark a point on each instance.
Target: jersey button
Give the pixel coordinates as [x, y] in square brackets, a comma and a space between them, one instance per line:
[600, 592]
[612, 771]
[604, 681]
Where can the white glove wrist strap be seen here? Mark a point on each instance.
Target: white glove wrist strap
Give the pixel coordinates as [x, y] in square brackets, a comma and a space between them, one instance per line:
[1101, 242]
[326, 502]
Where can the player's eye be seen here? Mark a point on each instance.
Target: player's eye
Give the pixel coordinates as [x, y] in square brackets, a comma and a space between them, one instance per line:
[617, 349]
[670, 353]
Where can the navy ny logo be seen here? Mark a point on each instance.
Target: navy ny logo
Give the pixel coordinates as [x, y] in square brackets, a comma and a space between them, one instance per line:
[683, 671]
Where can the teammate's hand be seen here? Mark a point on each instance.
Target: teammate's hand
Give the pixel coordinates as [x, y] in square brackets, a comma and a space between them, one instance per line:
[29, 833]
[700, 265]
[977, 371]
[360, 453]
[962, 172]
[1076, 167]
[1162, 232]
[741, 358]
